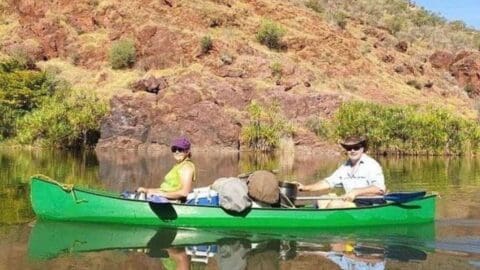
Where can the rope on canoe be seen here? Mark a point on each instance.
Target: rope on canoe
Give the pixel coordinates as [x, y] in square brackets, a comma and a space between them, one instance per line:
[66, 187]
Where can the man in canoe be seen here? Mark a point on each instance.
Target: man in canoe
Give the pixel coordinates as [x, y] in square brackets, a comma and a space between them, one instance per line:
[360, 175]
[178, 181]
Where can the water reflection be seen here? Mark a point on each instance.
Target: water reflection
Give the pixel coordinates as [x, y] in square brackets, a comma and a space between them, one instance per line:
[347, 248]
[126, 170]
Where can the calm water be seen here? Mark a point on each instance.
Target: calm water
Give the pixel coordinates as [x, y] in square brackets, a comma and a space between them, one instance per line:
[452, 242]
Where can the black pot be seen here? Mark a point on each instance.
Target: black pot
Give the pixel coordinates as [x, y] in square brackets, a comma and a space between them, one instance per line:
[289, 190]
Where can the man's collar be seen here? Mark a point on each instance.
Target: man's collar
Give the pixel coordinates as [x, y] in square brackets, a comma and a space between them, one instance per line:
[361, 160]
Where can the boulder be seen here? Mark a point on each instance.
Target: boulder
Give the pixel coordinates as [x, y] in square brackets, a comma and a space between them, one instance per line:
[402, 46]
[150, 84]
[441, 59]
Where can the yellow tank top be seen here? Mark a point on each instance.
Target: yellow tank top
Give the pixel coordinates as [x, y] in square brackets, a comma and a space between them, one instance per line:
[172, 180]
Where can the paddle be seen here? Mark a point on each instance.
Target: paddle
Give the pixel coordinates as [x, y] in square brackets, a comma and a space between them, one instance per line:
[397, 197]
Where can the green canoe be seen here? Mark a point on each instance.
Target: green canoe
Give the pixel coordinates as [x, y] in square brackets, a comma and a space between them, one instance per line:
[56, 201]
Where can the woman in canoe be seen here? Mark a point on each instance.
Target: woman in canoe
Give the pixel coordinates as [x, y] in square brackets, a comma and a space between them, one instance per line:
[360, 175]
[178, 181]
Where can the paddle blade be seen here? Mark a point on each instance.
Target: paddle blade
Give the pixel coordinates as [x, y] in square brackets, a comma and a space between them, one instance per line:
[403, 197]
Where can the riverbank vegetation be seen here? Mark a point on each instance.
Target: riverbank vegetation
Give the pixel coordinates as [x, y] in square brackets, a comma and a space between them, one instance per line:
[408, 130]
[265, 128]
[39, 109]
[391, 129]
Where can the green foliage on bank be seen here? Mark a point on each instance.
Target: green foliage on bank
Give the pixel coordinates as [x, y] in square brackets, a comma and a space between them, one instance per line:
[21, 91]
[266, 127]
[408, 129]
[37, 108]
[65, 120]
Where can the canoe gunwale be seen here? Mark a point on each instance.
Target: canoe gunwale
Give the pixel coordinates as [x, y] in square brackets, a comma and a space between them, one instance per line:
[112, 195]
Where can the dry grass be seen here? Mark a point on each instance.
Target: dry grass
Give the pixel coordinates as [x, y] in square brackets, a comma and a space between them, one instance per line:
[106, 82]
[96, 39]
[7, 27]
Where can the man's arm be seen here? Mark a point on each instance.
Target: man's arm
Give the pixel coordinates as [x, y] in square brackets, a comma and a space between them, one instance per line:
[321, 185]
[370, 190]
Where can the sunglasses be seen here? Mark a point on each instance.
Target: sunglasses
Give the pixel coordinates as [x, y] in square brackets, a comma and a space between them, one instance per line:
[353, 147]
[178, 150]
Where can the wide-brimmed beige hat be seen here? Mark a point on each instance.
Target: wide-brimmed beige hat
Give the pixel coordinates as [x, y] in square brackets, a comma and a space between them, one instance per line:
[354, 140]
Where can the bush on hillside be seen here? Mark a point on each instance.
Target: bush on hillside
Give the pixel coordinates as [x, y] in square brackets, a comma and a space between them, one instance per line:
[394, 24]
[424, 17]
[276, 69]
[122, 54]
[270, 34]
[315, 5]
[206, 44]
[340, 19]
[415, 83]
[265, 128]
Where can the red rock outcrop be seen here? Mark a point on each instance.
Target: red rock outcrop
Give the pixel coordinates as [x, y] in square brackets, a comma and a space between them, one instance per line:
[441, 59]
[464, 66]
[466, 69]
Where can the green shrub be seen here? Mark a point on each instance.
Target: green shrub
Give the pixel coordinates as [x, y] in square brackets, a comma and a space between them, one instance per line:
[340, 19]
[424, 17]
[415, 83]
[65, 120]
[394, 24]
[206, 44]
[457, 25]
[277, 69]
[315, 5]
[122, 54]
[270, 34]
[265, 128]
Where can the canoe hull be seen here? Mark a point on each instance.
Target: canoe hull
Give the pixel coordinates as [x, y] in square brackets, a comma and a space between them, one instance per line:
[51, 201]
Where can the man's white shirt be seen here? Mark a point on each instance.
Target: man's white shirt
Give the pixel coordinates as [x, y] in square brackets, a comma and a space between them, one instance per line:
[367, 173]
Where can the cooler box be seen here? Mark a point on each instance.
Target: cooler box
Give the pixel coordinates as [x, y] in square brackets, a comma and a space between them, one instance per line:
[203, 196]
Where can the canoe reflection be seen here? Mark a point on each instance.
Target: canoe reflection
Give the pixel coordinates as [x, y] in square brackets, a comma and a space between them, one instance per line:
[230, 250]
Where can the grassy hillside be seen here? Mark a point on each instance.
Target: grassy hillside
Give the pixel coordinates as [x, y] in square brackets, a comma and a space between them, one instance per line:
[376, 51]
